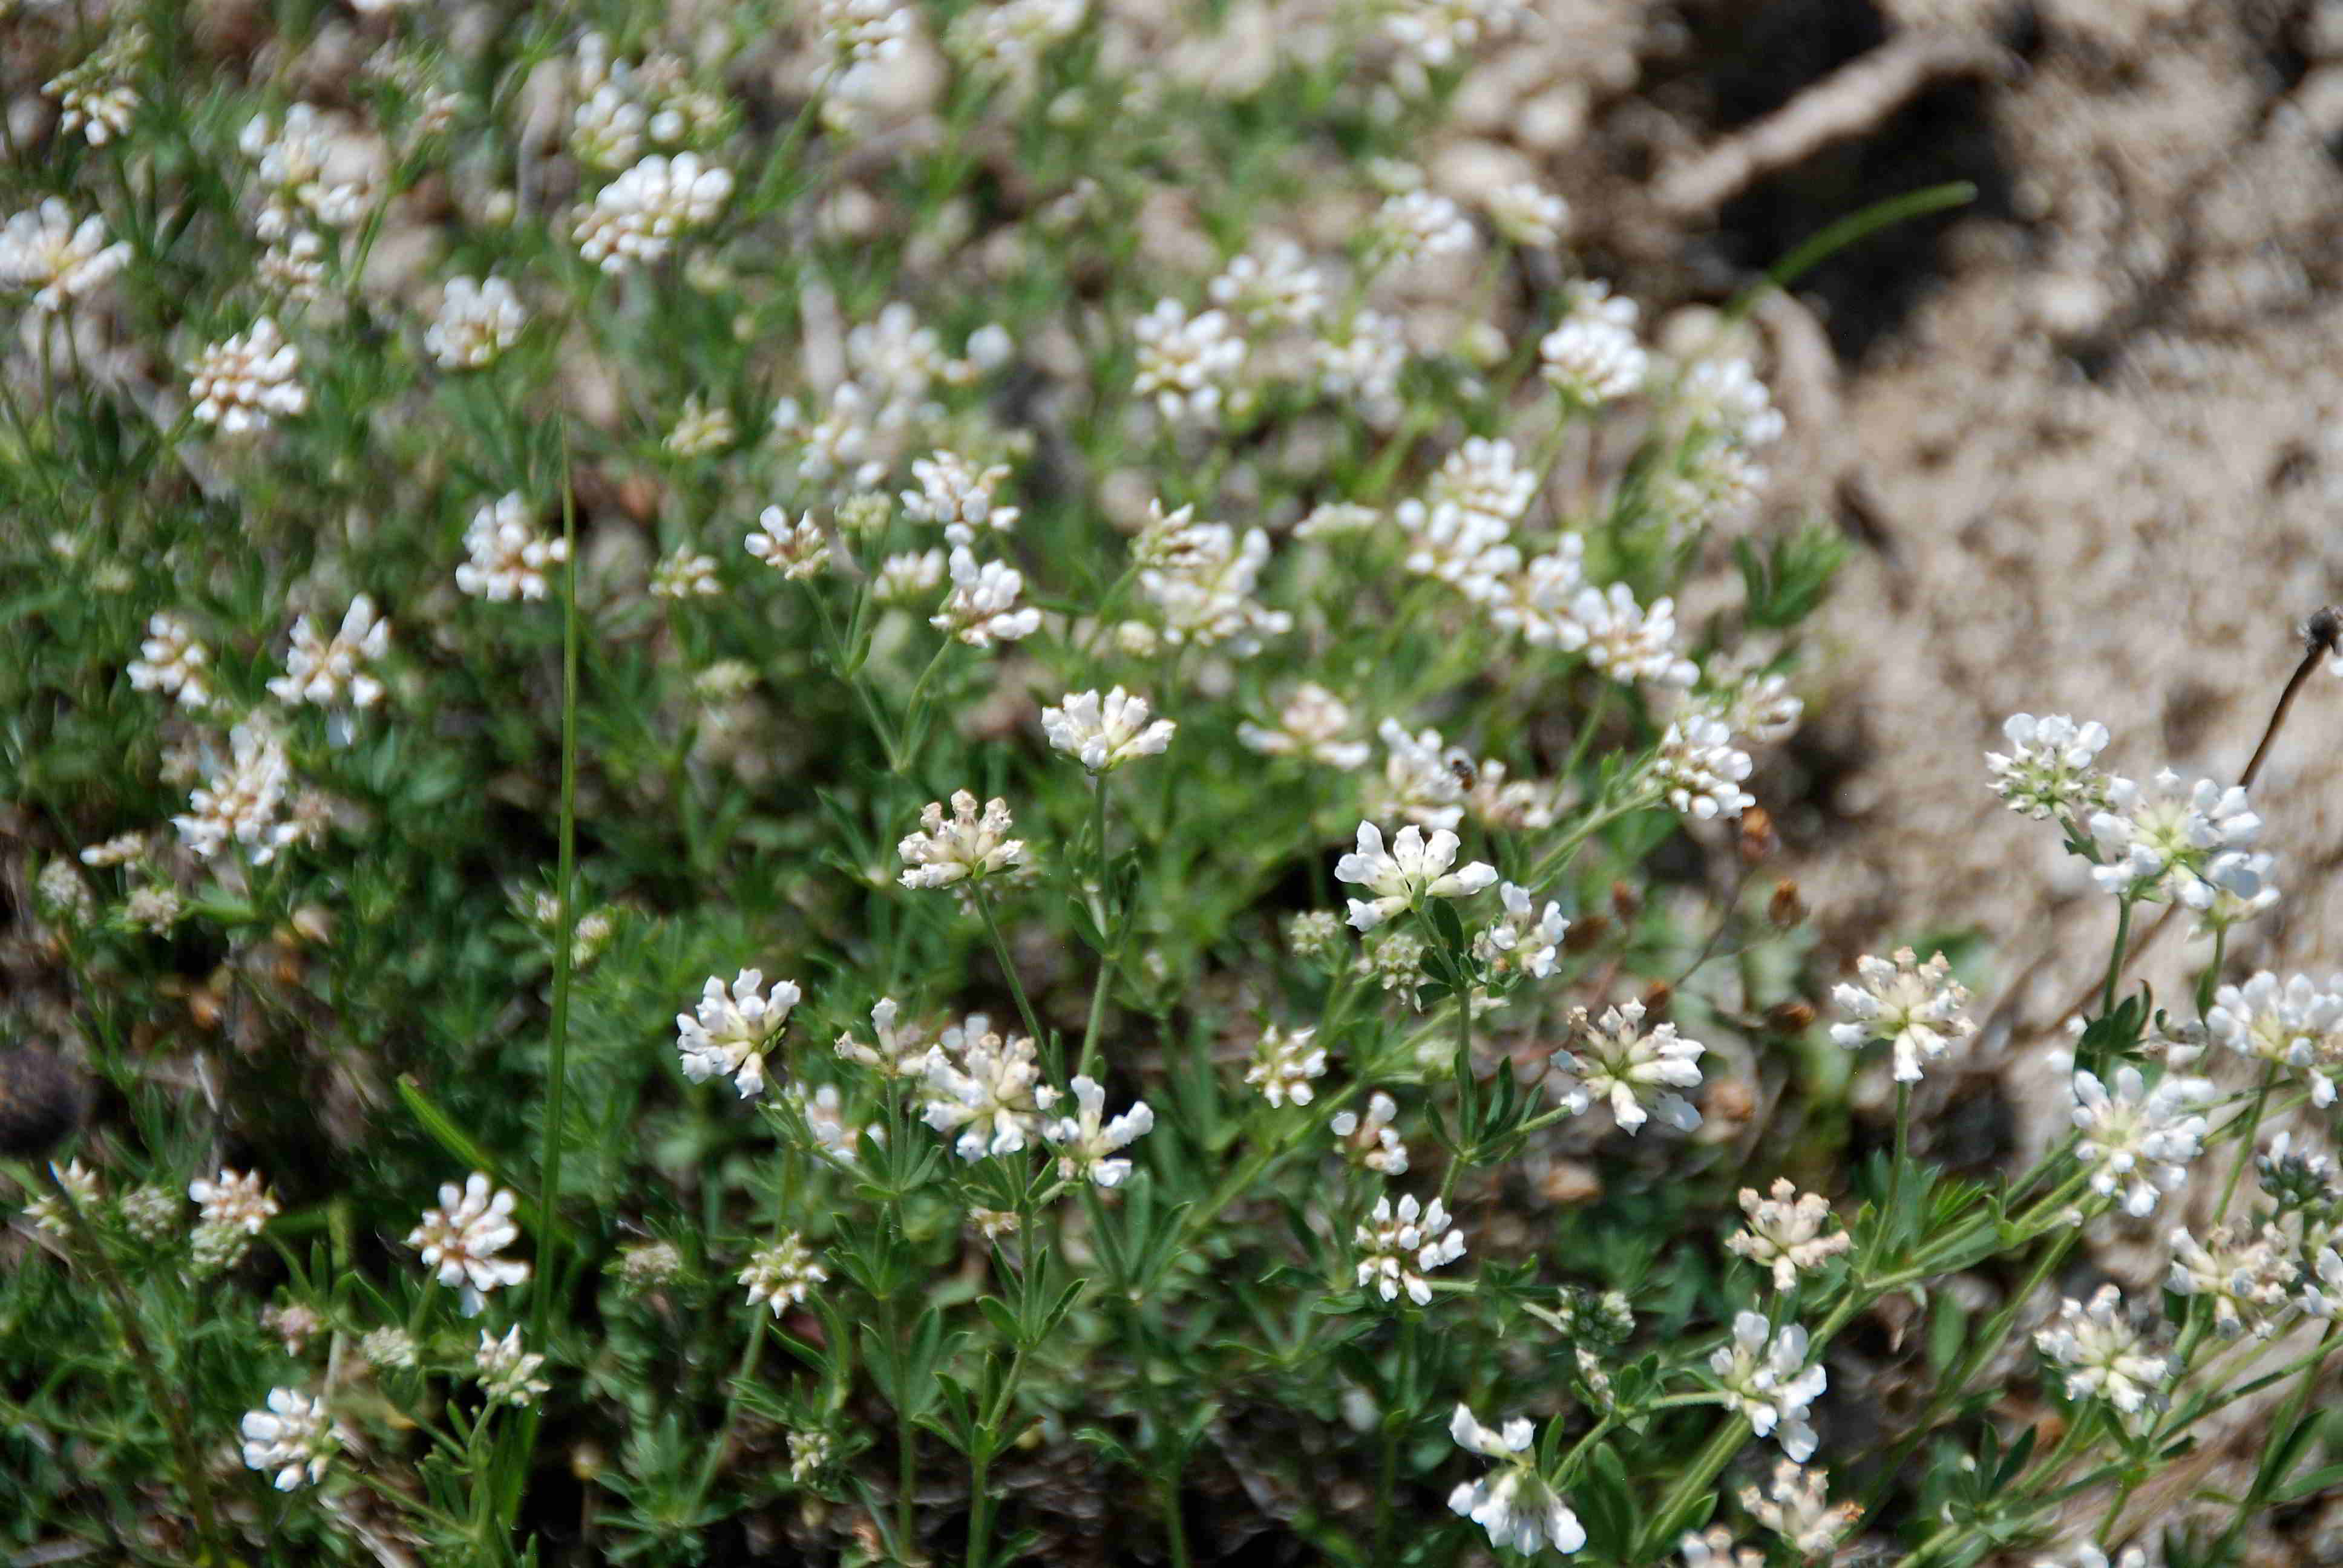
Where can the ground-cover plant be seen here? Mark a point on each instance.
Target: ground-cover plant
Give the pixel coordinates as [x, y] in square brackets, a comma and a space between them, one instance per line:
[912, 784]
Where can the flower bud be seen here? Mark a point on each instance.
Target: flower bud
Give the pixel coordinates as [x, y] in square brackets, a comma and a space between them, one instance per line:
[1785, 909]
[1758, 838]
[1789, 1016]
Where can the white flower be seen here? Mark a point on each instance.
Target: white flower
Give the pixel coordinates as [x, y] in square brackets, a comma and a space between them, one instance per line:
[1628, 643]
[823, 1111]
[479, 319]
[98, 96]
[1273, 286]
[2138, 1141]
[293, 1437]
[909, 575]
[1771, 1386]
[1537, 600]
[1725, 399]
[901, 1049]
[1102, 733]
[507, 1374]
[798, 550]
[1792, 1506]
[1363, 366]
[1612, 1058]
[48, 1213]
[2184, 842]
[810, 1451]
[1514, 1503]
[1422, 781]
[1759, 706]
[983, 608]
[1412, 869]
[238, 1200]
[2047, 770]
[120, 850]
[243, 383]
[2085, 1554]
[1699, 769]
[2294, 1025]
[685, 573]
[390, 1347]
[1436, 31]
[783, 1273]
[1591, 355]
[1011, 35]
[1787, 1233]
[1373, 1141]
[636, 217]
[45, 250]
[2322, 1294]
[1523, 938]
[1916, 1007]
[155, 909]
[967, 846]
[2100, 1353]
[1484, 476]
[858, 32]
[2247, 1272]
[1418, 223]
[312, 161]
[700, 430]
[989, 1087]
[1086, 1140]
[323, 672]
[1527, 214]
[958, 495]
[243, 802]
[1466, 549]
[1312, 725]
[1510, 805]
[460, 1239]
[1284, 1062]
[1397, 1247]
[728, 1034]
[509, 555]
[1186, 364]
[1715, 1547]
[170, 661]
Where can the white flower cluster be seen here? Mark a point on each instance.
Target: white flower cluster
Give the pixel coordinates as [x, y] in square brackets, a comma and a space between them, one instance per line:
[1436, 33]
[901, 1049]
[622, 104]
[1770, 1384]
[732, 1027]
[1787, 1233]
[294, 1437]
[1512, 1502]
[1412, 869]
[243, 383]
[783, 1273]
[243, 802]
[2101, 1353]
[2050, 767]
[1398, 1246]
[1916, 1007]
[1418, 223]
[1592, 356]
[1202, 579]
[1285, 1062]
[1271, 286]
[98, 96]
[2247, 1273]
[479, 319]
[983, 607]
[987, 1088]
[2296, 1025]
[1102, 733]
[1699, 771]
[1187, 365]
[959, 496]
[1086, 1140]
[1523, 940]
[1312, 725]
[2179, 842]
[172, 661]
[45, 250]
[1795, 1505]
[312, 164]
[2138, 1141]
[795, 550]
[969, 847]
[325, 672]
[638, 218]
[1611, 1059]
[1372, 1140]
[507, 1375]
[460, 1240]
[508, 555]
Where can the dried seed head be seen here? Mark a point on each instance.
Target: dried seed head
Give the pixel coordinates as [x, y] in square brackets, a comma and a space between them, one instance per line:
[41, 1101]
[1627, 901]
[1656, 997]
[1790, 1017]
[1785, 908]
[1584, 932]
[2324, 630]
[1758, 838]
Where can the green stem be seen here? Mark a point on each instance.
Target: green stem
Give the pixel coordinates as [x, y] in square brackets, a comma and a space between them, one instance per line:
[565, 918]
[2245, 1142]
[1712, 1462]
[2116, 958]
[1009, 971]
[747, 1369]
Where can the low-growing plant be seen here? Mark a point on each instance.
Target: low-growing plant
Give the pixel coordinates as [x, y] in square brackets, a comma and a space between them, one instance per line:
[920, 784]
